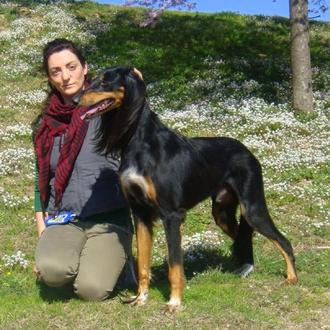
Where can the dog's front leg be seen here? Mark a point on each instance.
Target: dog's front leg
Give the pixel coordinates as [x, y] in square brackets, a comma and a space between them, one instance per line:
[175, 261]
[144, 246]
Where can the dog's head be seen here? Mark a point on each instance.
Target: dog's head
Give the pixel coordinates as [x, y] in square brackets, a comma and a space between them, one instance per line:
[116, 87]
[118, 96]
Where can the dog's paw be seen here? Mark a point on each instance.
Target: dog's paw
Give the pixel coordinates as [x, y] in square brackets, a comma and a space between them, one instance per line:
[245, 270]
[174, 305]
[291, 280]
[127, 300]
[138, 300]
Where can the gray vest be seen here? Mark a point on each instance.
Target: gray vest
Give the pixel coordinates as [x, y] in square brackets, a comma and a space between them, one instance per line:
[93, 187]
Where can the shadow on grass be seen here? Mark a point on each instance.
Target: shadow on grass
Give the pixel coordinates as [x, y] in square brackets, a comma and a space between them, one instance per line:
[51, 295]
[66, 293]
[195, 262]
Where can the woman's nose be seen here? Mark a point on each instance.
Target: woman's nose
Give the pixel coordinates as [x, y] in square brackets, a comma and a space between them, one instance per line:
[66, 75]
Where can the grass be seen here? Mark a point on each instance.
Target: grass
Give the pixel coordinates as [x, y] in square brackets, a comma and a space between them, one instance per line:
[221, 74]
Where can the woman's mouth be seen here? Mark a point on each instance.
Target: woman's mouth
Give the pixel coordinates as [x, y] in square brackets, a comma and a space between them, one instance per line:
[68, 86]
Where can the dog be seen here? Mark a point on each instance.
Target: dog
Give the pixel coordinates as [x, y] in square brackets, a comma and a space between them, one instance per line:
[164, 174]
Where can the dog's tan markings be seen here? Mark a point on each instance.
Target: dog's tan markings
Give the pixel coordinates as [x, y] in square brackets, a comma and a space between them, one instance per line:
[243, 210]
[176, 279]
[90, 98]
[232, 232]
[124, 186]
[144, 245]
[291, 271]
[151, 190]
[230, 229]
[132, 177]
[224, 198]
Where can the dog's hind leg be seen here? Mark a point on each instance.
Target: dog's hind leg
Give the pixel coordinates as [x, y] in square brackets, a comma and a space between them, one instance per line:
[259, 219]
[255, 215]
[243, 249]
[224, 206]
[172, 225]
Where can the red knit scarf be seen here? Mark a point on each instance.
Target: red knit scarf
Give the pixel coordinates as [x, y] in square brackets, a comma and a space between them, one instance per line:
[58, 118]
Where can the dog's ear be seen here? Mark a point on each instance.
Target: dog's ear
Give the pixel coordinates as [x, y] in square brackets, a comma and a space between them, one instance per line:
[135, 88]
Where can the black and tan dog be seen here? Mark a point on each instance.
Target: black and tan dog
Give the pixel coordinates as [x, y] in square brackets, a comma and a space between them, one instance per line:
[164, 174]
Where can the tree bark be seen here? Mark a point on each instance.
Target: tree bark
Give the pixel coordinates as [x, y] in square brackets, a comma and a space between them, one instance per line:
[300, 56]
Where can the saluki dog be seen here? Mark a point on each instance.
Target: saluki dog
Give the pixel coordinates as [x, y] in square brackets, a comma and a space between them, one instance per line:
[163, 174]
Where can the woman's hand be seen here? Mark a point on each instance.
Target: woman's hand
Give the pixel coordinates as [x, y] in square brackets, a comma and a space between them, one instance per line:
[40, 216]
[36, 272]
[138, 73]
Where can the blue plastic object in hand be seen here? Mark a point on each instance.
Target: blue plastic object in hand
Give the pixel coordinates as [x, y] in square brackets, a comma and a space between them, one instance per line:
[60, 219]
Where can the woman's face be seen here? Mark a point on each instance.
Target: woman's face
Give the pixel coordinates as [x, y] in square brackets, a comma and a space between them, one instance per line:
[66, 73]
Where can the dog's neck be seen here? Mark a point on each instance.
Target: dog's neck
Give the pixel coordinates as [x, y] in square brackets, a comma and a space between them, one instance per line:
[144, 129]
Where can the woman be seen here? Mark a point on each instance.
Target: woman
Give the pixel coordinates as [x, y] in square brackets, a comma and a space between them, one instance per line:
[76, 183]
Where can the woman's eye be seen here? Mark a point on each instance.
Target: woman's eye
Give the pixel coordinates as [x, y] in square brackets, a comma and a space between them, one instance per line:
[72, 67]
[55, 73]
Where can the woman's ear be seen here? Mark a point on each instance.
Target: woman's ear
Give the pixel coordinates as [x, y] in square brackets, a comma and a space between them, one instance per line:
[50, 84]
[85, 69]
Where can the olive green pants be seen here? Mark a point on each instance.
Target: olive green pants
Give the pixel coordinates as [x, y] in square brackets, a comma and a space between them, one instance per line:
[91, 255]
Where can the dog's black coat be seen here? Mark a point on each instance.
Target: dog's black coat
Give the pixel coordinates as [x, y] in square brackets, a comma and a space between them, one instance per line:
[165, 174]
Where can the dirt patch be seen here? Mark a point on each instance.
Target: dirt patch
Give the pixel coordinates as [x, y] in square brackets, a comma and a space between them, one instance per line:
[3, 23]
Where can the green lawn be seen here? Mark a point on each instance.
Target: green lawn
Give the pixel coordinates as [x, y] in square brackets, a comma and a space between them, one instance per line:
[221, 74]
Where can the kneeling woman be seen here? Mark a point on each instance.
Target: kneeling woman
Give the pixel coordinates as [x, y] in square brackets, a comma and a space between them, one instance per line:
[78, 183]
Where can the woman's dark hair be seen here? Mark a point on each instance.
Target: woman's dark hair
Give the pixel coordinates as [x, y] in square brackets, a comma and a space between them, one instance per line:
[58, 45]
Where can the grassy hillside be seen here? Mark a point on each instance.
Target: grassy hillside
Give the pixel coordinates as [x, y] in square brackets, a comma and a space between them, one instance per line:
[222, 74]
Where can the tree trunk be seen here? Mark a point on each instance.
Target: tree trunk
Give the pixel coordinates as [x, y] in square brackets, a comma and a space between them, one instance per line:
[300, 56]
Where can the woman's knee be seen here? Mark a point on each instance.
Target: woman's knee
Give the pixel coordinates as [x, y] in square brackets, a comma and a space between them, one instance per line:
[55, 273]
[92, 290]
